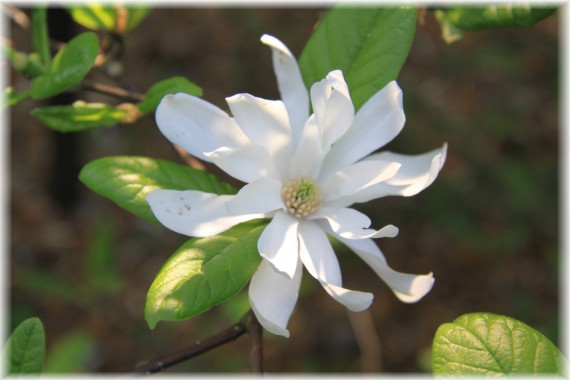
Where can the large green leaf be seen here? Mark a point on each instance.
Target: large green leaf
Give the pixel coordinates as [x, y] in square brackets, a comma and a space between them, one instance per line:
[493, 16]
[79, 116]
[492, 345]
[70, 354]
[168, 86]
[68, 67]
[116, 18]
[26, 348]
[128, 180]
[369, 45]
[204, 272]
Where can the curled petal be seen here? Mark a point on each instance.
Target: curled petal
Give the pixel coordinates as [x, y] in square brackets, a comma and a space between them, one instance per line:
[377, 122]
[273, 297]
[355, 178]
[265, 123]
[194, 213]
[415, 174]
[333, 107]
[407, 287]
[261, 196]
[291, 86]
[248, 163]
[320, 260]
[278, 243]
[196, 125]
[351, 224]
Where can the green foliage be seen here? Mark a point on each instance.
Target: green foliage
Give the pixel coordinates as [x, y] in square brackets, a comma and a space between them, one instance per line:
[11, 97]
[40, 38]
[203, 273]
[493, 345]
[369, 45]
[70, 353]
[494, 16]
[100, 266]
[454, 20]
[68, 67]
[26, 348]
[168, 86]
[128, 180]
[115, 18]
[78, 116]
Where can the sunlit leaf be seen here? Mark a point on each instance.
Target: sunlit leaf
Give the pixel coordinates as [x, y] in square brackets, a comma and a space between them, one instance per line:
[168, 86]
[493, 345]
[203, 273]
[79, 116]
[68, 67]
[369, 45]
[116, 18]
[128, 180]
[449, 32]
[26, 348]
[493, 16]
[11, 97]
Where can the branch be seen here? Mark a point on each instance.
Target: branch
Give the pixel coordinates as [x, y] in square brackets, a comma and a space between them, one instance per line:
[113, 91]
[198, 348]
[256, 333]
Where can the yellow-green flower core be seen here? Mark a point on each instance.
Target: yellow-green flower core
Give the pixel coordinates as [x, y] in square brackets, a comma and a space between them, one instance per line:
[301, 197]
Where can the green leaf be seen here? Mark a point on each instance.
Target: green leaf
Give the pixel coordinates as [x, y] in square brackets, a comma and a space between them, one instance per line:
[26, 348]
[493, 345]
[369, 45]
[70, 354]
[494, 16]
[168, 86]
[203, 273]
[101, 267]
[116, 18]
[449, 32]
[128, 180]
[79, 116]
[40, 38]
[68, 67]
[11, 97]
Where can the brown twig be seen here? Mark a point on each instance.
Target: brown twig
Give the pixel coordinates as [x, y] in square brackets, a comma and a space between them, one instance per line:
[196, 349]
[256, 337]
[113, 91]
[17, 15]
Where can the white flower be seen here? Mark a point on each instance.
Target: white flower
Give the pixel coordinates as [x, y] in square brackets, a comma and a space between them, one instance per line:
[303, 171]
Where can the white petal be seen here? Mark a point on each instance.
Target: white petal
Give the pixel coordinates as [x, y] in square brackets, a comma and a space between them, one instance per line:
[196, 125]
[320, 260]
[247, 163]
[356, 177]
[351, 224]
[194, 213]
[415, 174]
[278, 243]
[291, 86]
[379, 120]
[273, 297]
[308, 158]
[265, 123]
[407, 287]
[333, 107]
[261, 196]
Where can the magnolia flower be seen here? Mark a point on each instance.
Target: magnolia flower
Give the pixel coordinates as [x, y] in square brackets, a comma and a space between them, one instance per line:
[302, 171]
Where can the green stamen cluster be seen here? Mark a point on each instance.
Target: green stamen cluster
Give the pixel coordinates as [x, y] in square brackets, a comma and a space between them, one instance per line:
[301, 197]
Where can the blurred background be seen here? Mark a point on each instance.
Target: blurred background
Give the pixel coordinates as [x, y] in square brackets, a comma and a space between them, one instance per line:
[488, 227]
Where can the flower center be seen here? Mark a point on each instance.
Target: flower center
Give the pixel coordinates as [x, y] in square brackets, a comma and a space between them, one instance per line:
[301, 196]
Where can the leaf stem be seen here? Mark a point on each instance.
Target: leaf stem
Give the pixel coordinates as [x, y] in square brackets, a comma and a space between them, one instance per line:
[196, 349]
[117, 92]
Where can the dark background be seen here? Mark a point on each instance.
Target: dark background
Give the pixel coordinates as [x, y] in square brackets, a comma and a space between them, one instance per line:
[488, 227]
